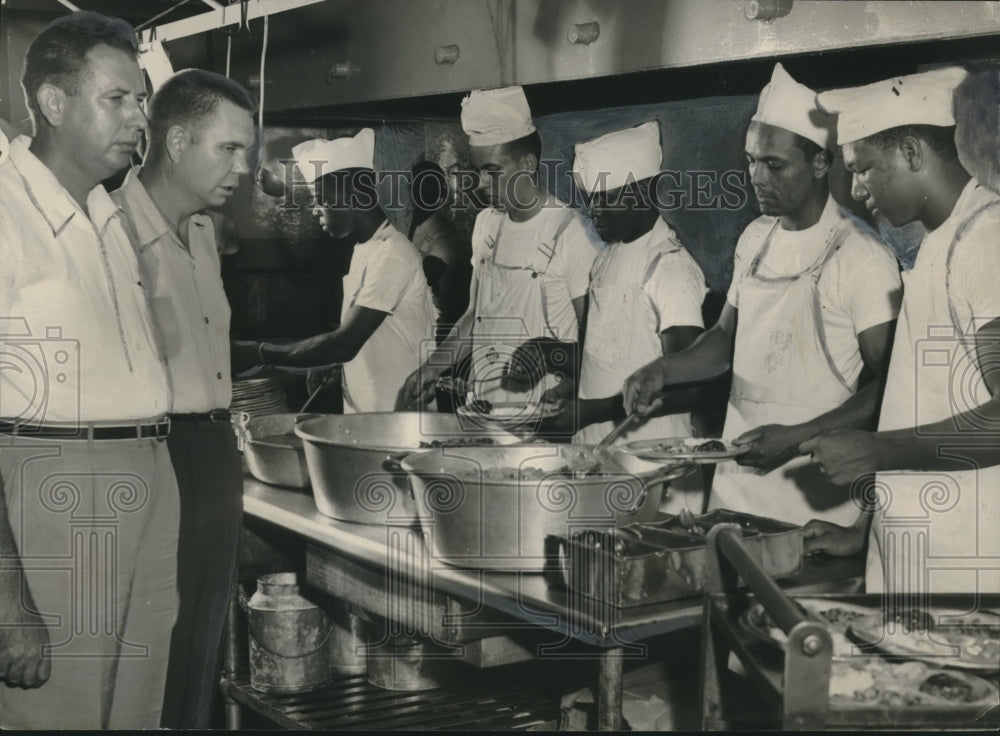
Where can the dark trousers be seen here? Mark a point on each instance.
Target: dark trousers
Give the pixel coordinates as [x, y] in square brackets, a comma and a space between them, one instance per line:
[210, 480]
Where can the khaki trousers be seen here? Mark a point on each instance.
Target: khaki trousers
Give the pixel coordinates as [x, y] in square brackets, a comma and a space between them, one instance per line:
[95, 523]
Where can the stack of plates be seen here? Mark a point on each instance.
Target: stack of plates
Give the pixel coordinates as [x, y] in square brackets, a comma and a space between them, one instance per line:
[258, 396]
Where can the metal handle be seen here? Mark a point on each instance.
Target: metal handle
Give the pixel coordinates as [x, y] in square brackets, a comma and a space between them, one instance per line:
[241, 425]
[676, 472]
[392, 462]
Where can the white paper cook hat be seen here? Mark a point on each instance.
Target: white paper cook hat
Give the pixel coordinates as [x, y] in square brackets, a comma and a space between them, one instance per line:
[917, 99]
[784, 103]
[494, 116]
[316, 157]
[614, 159]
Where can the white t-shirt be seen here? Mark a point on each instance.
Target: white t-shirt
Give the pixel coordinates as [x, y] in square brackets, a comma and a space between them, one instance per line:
[386, 276]
[859, 286]
[667, 286]
[568, 274]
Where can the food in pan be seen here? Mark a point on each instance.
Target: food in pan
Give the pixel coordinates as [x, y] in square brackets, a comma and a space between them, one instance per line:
[949, 638]
[529, 472]
[874, 682]
[949, 687]
[525, 472]
[457, 442]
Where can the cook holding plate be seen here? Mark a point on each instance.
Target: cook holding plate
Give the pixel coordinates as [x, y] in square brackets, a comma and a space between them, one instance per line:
[531, 260]
[813, 300]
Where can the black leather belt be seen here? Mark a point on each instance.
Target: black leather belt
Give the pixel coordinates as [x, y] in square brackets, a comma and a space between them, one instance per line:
[138, 430]
[216, 415]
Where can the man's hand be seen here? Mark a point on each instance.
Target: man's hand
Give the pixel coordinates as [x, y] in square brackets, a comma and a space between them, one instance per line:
[642, 387]
[536, 357]
[23, 641]
[418, 389]
[845, 455]
[561, 426]
[321, 377]
[526, 366]
[243, 355]
[771, 446]
[839, 541]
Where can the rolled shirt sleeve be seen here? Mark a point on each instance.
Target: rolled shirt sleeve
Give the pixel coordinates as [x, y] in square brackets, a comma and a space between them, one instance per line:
[387, 275]
[676, 288]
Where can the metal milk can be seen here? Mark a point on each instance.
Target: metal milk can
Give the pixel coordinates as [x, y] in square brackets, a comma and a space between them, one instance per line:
[289, 637]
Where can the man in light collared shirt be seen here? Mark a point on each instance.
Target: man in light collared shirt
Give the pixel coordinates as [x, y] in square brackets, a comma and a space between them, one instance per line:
[201, 125]
[88, 523]
[387, 312]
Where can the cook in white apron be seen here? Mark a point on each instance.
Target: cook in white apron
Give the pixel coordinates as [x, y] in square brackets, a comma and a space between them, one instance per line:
[510, 309]
[934, 531]
[783, 374]
[622, 337]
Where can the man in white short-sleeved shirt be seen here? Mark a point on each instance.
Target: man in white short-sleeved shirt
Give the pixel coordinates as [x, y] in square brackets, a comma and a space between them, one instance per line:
[88, 498]
[645, 294]
[531, 259]
[388, 311]
[936, 503]
[813, 301]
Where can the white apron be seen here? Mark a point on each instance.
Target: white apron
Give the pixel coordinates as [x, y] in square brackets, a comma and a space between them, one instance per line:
[783, 374]
[511, 309]
[621, 338]
[936, 531]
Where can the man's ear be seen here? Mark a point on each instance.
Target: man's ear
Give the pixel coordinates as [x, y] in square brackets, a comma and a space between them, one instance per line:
[529, 162]
[821, 164]
[911, 148]
[175, 142]
[51, 102]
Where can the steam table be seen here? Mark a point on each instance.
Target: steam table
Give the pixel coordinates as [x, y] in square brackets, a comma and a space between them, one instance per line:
[487, 617]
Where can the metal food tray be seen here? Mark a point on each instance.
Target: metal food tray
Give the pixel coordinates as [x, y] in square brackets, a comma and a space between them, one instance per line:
[659, 561]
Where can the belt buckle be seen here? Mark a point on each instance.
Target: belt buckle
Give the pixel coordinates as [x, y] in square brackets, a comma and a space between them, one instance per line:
[219, 415]
[163, 428]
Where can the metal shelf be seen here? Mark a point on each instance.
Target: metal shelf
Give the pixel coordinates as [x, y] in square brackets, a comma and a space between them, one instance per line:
[350, 702]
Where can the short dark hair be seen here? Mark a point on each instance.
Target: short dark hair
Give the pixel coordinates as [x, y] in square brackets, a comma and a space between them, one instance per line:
[941, 139]
[529, 144]
[811, 148]
[58, 54]
[189, 98]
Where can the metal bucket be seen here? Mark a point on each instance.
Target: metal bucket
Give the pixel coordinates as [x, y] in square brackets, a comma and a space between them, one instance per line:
[406, 663]
[348, 654]
[289, 638]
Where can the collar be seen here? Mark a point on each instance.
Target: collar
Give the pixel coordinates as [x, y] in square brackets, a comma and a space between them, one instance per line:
[149, 223]
[384, 232]
[660, 232]
[51, 199]
[963, 204]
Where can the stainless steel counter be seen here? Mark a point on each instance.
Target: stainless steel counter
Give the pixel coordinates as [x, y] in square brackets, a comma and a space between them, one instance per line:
[389, 572]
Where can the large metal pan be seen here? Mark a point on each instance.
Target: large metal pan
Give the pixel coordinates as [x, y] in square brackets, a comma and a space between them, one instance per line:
[272, 451]
[473, 517]
[353, 460]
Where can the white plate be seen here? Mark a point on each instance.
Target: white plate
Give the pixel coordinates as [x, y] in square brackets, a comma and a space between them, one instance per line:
[682, 448]
[512, 414]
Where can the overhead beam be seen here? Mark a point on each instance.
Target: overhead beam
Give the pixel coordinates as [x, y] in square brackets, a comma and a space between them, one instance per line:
[214, 19]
